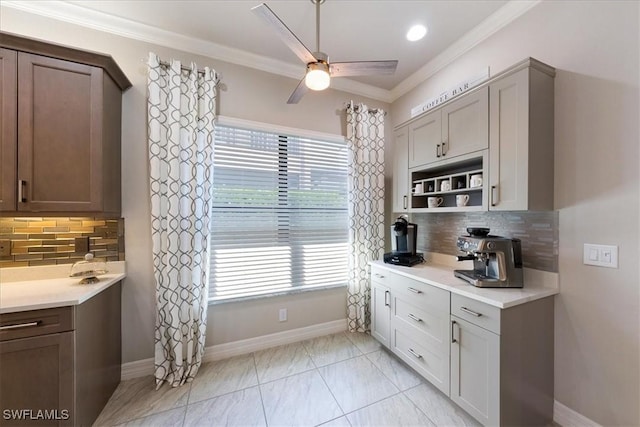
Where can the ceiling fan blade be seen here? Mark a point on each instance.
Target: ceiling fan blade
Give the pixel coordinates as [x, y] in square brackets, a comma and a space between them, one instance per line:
[298, 93]
[362, 68]
[287, 36]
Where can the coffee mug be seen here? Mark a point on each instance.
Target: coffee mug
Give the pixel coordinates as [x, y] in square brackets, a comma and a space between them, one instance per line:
[434, 202]
[476, 181]
[418, 188]
[445, 186]
[462, 200]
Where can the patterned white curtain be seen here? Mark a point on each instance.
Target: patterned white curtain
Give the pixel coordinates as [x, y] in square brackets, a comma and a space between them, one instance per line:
[365, 139]
[181, 113]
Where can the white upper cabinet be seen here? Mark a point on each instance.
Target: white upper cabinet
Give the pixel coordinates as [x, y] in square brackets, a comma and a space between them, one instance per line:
[401, 170]
[521, 140]
[459, 128]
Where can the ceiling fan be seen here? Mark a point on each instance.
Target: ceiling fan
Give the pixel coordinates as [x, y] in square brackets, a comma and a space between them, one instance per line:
[319, 69]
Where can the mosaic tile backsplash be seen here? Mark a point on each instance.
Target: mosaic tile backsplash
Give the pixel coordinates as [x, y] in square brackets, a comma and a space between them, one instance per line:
[50, 241]
[538, 231]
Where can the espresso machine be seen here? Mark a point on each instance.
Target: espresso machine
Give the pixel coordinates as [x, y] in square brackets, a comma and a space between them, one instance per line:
[403, 243]
[497, 261]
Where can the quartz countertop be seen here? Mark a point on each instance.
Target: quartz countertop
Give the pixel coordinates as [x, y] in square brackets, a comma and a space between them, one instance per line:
[437, 271]
[34, 288]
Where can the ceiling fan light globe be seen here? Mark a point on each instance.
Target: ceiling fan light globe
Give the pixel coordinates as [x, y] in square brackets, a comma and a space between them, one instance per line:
[317, 77]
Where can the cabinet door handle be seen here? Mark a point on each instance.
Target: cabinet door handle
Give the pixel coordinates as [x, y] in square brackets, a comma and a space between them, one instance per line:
[414, 290]
[386, 300]
[471, 312]
[444, 144]
[438, 150]
[419, 356]
[453, 338]
[19, 325]
[494, 198]
[21, 191]
[413, 317]
[404, 202]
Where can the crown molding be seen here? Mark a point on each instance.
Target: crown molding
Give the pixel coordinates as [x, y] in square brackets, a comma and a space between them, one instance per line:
[78, 15]
[496, 21]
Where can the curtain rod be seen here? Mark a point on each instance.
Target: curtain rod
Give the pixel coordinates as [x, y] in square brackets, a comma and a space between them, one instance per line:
[356, 106]
[217, 76]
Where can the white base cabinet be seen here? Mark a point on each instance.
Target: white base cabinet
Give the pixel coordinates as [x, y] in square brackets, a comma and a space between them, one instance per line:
[475, 370]
[496, 364]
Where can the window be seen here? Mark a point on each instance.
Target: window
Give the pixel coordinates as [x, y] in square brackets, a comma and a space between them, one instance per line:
[279, 213]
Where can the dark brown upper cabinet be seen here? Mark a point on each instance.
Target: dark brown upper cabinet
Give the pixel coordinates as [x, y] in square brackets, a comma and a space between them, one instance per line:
[60, 129]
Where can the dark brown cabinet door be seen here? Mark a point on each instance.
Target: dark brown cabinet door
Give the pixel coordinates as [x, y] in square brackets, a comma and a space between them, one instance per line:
[36, 380]
[8, 134]
[59, 135]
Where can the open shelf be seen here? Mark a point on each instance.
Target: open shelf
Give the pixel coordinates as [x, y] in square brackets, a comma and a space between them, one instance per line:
[449, 181]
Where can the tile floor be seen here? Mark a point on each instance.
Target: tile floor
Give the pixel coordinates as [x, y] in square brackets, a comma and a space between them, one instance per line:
[337, 380]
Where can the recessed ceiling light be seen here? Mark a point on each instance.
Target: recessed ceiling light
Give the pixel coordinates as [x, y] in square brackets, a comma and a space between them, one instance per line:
[416, 32]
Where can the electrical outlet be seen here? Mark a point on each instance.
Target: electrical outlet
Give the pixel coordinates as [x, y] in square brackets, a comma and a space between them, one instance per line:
[600, 255]
[81, 245]
[5, 247]
[282, 315]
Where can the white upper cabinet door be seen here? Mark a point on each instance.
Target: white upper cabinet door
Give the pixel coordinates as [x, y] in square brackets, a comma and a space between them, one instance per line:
[465, 124]
[401, 186]
[425, 139]
[521, 142]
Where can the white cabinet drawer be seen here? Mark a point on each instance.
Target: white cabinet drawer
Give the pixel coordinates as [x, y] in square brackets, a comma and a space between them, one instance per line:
[429, 327]
[428, 362]
[478, 313]
[421, 295]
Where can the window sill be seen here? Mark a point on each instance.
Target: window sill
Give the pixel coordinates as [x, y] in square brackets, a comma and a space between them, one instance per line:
[291, 291]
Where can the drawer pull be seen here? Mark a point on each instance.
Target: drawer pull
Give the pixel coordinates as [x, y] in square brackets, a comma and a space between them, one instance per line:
[19, 325]
[471, 312]
[419, 356]
[379, 276]
[416, 318]
[414, 290]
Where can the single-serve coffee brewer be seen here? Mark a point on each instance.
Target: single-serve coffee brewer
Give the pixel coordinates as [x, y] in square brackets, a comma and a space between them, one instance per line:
[403, 243]
[497, 261]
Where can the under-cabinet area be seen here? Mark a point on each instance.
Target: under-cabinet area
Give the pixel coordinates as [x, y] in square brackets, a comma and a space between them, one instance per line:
[501, 133]
[490, 351]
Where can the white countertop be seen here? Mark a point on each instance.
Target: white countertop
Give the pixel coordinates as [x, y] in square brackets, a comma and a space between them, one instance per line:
[439, 273]
[34, 288]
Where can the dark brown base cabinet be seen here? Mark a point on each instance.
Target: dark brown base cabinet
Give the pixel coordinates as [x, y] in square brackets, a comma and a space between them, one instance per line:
[59, 130]
[61, 370]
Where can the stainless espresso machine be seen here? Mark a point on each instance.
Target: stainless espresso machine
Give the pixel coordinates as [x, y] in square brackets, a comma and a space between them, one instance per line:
[403, 243]
[497, 261]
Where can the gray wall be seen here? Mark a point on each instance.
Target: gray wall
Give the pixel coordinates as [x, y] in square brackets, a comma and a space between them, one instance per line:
[594, 46]
[250, 95]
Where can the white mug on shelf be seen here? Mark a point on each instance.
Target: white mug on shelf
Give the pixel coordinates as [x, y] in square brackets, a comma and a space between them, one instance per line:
[476, 181]
[462, 200]
[445, 186]
[418, 189]
[434, 202]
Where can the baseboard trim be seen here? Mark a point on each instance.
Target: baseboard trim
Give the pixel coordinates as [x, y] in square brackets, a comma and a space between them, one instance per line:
[144, 367]
[567, 417]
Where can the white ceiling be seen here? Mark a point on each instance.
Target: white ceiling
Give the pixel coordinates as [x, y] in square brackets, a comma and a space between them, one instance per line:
[350, 30]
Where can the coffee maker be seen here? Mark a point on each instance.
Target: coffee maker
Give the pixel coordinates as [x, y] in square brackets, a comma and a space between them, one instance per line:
[497, 261]
[403, 243]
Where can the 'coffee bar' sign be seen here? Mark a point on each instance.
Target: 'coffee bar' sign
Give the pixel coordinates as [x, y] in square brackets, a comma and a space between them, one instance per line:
[451, 93]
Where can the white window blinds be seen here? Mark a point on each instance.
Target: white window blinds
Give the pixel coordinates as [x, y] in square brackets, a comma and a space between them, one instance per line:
[279, 213]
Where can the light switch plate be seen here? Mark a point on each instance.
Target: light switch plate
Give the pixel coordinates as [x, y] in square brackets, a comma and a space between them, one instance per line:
[600, 255]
